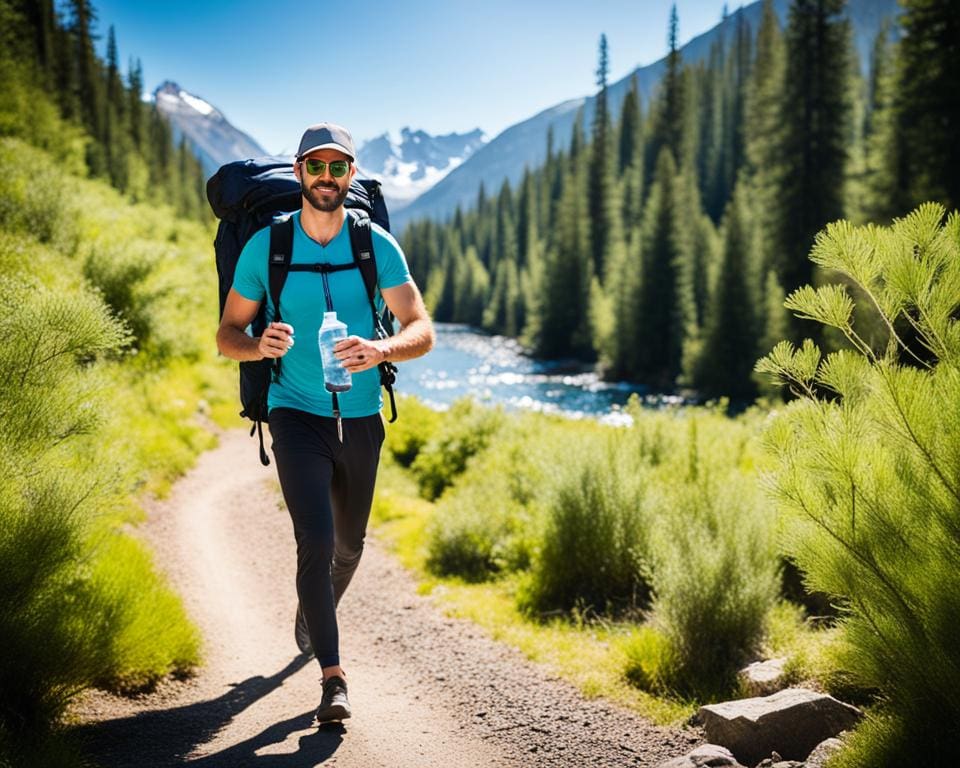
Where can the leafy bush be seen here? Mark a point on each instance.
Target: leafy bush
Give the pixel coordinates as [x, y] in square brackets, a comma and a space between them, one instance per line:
[148, 633]
[119, 275]
[595, 552]
[143, 285]
[714, 565]
[484, 525]
[465, 431]
[868, 472]
[411, 431]
[715, 580]
[651, 661]
[33, 198]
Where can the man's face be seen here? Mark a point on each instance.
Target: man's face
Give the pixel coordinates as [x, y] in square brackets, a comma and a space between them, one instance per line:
[322, 189]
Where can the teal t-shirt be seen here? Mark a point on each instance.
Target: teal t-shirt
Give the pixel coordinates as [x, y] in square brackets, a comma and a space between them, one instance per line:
[302, 305]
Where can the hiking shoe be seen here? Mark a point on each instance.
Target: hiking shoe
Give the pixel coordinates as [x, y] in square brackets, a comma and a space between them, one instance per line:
[333, 703]
[301, 634]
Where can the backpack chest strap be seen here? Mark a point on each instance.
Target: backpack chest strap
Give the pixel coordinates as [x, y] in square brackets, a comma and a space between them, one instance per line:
[322, 267]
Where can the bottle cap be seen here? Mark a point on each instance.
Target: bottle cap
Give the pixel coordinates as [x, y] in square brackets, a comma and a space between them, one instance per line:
[329, 316]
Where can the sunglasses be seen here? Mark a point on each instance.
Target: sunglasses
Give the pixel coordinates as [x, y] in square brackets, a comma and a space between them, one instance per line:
[338, 168]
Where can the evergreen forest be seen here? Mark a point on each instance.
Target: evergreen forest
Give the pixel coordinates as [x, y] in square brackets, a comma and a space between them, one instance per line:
[59, 95]
[662, 245]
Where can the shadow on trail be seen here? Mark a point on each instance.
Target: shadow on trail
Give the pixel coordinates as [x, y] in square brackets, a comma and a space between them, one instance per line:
[166, 737]
[312, 749]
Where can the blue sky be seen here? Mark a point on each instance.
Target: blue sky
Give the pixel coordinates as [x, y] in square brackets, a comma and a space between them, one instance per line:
[377, 66]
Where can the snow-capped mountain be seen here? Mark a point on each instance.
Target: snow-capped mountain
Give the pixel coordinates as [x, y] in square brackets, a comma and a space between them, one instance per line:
[214, 140]
[412, 165]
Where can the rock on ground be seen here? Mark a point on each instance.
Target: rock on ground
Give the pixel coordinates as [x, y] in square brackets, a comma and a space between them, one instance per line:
[704, 756]
[791, 723]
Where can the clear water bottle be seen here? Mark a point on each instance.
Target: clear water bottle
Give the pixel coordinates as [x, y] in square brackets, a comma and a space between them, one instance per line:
[336, 377]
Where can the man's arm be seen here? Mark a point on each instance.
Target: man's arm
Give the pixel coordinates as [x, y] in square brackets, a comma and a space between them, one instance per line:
[415, 338]
[232, 338]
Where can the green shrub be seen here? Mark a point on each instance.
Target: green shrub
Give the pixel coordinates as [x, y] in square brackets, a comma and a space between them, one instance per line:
[416, 424]
[651, 661]
[487, 523]
[148, 634]
[119, 275]
[44, 605]
[479, 529]
[594, 554]
[50, 614]
[715, 579]
[78, 602]
[868, 474]
[143, 285]
[466, 430]
[33, 197]
[48, 386]
[463, 541]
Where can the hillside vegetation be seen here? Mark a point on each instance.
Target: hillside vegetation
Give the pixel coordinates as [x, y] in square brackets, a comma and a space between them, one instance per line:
[108, 315]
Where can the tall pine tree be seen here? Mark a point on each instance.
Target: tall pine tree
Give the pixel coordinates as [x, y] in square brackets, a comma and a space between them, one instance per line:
[601, 184]
[668, 128]
[630, 158]
[730, 337]
[564, 323]
[814, 119]
[928, 105]
[663, 305]
[886, 178]
[762, 128]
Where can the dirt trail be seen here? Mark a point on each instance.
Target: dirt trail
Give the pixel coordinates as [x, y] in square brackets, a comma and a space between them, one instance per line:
[426, 690]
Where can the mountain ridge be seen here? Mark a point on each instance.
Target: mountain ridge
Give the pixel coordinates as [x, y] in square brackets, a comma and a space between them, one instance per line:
[214, 139]
[523, 145]
[408, 166]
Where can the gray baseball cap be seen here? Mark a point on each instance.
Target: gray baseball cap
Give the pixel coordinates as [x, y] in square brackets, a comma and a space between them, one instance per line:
[326, 136]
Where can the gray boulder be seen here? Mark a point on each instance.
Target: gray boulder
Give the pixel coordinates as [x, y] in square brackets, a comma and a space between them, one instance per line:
[824, 751]
[704, 756]
[791, 723]
[762, 677]
[775, 761]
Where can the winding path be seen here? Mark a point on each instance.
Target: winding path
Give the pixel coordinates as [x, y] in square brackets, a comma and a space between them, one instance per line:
[426, 690]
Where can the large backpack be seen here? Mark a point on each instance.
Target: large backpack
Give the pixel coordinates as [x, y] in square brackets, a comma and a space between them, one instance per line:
[248, 195]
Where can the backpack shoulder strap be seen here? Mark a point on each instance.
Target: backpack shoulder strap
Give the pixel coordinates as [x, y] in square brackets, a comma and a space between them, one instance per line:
[361, 242]
[280, 256]
[278, 267]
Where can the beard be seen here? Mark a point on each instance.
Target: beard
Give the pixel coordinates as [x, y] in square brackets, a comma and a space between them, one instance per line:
[325, 204]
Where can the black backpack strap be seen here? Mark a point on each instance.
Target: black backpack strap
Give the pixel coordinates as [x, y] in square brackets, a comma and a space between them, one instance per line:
[361, 242]
[278, 266]
[281, 254]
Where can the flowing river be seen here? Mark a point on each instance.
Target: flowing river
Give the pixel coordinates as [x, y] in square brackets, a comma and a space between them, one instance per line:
[495, 370]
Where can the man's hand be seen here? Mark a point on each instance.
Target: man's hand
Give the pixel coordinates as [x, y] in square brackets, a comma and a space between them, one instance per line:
[276, 340]
[359, 354]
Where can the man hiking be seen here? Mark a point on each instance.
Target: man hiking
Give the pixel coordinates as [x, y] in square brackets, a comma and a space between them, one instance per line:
[326, 459]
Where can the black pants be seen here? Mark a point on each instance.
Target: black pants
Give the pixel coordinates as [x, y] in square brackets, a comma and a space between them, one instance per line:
[328, 488]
